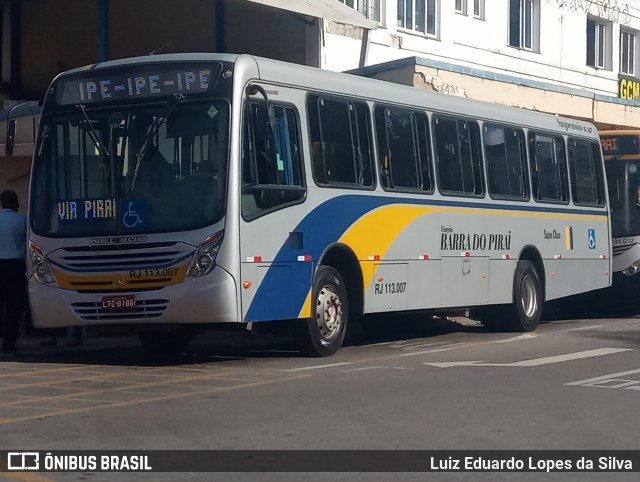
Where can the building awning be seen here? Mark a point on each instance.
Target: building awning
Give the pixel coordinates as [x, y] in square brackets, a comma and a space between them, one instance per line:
[328, 9]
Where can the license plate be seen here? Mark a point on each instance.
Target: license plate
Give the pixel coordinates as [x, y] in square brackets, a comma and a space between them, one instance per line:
[118, 302]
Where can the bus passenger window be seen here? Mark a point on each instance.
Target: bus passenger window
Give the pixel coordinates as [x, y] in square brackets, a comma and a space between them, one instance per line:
[506, 159]
[402, 137]
[586, 176]
[549, 169]
[272, 175]
[340, 142]
[459, 161]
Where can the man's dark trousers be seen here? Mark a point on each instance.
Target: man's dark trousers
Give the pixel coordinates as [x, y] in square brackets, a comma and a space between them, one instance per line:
[12, 300]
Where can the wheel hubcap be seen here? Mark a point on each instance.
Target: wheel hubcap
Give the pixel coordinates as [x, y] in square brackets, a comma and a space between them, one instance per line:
[329, 312]
[528, 296]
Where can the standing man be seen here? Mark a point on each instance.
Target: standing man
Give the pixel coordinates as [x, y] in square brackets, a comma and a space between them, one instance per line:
[13, 247]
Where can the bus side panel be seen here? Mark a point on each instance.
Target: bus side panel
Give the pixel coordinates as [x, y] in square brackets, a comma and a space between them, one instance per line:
[423, 285]
[388, 291]
[566, 277]
[580, 260]
[400, 233]
[501, 280]
[465, 280]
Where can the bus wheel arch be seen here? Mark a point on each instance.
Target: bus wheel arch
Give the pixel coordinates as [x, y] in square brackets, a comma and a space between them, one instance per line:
[322, 333]
[528, 292]
[344, 261]
[530, 253]
[334, 298]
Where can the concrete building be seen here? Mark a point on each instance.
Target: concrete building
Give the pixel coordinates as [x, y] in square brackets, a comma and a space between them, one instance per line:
[578, 58]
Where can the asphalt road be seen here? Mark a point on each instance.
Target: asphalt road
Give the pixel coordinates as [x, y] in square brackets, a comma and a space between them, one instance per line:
[419, 385]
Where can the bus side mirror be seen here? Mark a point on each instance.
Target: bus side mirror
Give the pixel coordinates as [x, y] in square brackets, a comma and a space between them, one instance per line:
[253, 89]
[11, 137]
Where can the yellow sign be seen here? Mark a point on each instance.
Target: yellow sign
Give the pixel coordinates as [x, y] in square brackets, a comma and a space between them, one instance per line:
[629, 89]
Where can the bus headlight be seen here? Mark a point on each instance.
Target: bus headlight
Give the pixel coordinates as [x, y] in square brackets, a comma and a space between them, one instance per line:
[41, 267]
[204, 260]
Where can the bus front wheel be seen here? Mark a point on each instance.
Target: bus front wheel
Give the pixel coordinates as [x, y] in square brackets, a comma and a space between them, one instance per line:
[527, 297]
[323, 333]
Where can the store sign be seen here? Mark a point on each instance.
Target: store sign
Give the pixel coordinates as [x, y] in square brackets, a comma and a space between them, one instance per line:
[629, 88]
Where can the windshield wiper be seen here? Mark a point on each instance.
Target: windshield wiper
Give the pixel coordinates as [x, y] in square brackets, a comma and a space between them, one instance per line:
[151, 132]
[44, 136]
[93, 135]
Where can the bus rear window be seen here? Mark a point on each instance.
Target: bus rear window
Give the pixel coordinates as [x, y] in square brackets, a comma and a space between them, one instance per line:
[586, 175]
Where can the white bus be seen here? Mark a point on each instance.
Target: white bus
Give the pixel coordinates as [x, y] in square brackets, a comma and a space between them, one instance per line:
[621, 149]
[173, 192]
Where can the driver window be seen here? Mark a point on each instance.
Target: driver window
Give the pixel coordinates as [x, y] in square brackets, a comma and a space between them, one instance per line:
[272, 175]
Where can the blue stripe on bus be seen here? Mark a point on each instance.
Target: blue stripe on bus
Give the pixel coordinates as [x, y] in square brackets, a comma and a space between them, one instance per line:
[327, 223]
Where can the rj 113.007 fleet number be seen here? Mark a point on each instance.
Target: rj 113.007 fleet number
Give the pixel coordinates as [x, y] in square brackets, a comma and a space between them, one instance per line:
[153, 273]
[389, 288]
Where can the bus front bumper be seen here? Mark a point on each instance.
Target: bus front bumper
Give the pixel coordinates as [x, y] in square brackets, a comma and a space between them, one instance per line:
[208, 299]
[628, 262]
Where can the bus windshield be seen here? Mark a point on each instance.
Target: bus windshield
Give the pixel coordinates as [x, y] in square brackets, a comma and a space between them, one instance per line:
[124, 169]
[623, 178]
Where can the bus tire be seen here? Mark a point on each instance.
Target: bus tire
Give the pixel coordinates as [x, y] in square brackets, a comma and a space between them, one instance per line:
[527, 298]
[166, 342]
[323, 333]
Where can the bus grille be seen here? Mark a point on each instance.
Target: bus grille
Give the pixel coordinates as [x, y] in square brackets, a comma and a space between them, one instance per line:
[117, 258]
[145, 309]
[618, 250]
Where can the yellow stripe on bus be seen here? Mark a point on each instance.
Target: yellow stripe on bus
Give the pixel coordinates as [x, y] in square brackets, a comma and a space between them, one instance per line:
[365, 237]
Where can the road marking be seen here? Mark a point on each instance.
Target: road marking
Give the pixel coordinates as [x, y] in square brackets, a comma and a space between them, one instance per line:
[375, 368]
[360, 369]
[590, 327]
[21, 476]
[607, 381]
[526, 336]
[436, 350]
[408, 344]
[121, 387]
[317, 367]
[534, 362]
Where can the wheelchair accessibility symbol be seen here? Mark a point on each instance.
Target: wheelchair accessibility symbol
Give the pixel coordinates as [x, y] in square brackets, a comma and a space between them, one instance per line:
[133, 214]
[592, 239]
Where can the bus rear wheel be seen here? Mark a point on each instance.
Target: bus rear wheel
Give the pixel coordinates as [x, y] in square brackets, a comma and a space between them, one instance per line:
[323, 333]
[527, 298]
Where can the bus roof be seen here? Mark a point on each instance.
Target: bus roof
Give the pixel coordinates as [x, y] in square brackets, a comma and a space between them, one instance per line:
[295, 75]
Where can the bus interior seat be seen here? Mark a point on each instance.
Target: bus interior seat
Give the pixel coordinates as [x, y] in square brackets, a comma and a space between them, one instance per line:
[207, 167]
[191, 190]
[321, 154]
